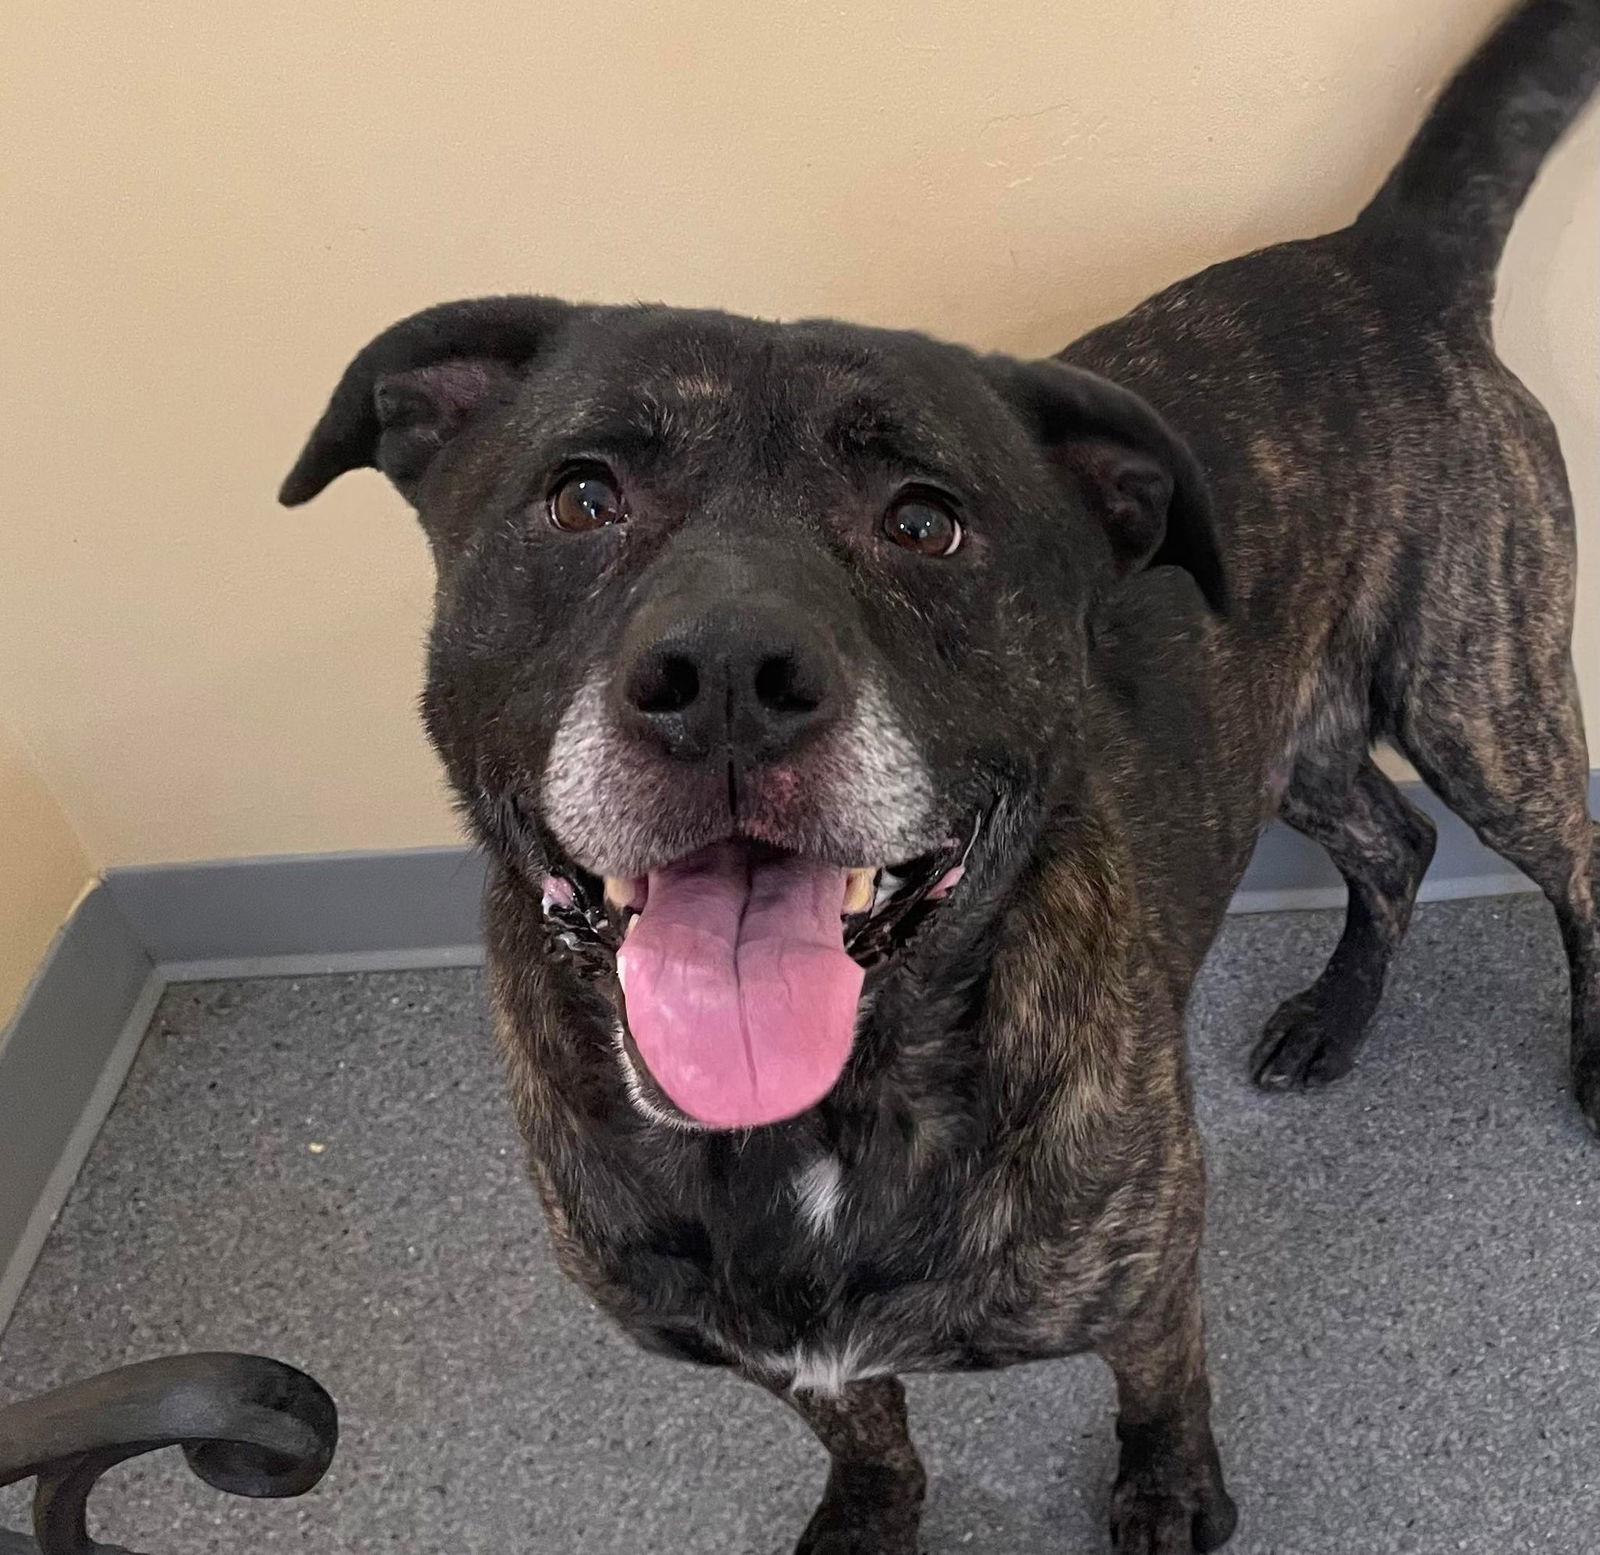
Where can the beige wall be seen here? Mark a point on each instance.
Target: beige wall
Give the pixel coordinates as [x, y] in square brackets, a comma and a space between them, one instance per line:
[43, 870]
[209, 206]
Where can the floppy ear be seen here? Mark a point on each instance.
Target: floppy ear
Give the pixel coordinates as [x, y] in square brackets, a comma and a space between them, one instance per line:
[1139, 479]
[418, 385]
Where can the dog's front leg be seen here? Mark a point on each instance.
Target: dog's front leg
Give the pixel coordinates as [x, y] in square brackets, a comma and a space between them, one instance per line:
[1169, 1497]
[873, 1503]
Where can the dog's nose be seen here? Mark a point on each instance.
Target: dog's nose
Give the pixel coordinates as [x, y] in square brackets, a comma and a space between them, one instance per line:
[745, 683]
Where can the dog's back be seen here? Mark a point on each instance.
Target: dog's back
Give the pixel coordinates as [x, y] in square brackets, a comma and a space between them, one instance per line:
[1398, 526]
[1368, 349]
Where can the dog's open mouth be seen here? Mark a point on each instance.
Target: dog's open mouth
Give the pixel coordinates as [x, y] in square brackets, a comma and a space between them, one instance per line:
[741, 965]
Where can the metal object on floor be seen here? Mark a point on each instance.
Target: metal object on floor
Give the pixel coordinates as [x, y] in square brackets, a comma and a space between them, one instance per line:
[247, 1425]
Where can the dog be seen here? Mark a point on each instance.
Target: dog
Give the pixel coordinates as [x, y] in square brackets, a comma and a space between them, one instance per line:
[867, 736]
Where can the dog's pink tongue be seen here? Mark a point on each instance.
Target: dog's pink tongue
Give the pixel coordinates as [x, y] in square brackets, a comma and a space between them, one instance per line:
[740, 996]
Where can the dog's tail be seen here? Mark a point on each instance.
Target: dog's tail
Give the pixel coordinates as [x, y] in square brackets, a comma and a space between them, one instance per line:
[1459, 185]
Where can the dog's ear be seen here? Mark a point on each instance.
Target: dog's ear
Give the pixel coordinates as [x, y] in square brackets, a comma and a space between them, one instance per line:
[1138, 477]
[419, 384]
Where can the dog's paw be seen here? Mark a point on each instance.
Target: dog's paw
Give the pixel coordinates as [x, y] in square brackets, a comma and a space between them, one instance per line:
[1151, 1518]
[867, 1512]
[1312, 1040]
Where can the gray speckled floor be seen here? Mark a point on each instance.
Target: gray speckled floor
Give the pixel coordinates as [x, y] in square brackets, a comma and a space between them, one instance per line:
[1403, 1279]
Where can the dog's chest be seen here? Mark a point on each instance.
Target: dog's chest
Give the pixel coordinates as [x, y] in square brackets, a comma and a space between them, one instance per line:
[802, 1277]
[808, 1270]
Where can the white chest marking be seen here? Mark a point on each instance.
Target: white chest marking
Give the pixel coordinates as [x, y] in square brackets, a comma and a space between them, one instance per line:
[826, 1369]
[818, 1192]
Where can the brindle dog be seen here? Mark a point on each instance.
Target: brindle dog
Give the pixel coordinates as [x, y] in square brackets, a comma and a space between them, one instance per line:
[868, 735]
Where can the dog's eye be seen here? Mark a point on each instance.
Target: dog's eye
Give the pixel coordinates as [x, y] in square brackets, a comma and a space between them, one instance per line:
[922, 523]
[586, 499]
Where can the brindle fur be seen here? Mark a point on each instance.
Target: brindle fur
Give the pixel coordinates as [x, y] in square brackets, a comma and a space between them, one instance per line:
[1020, 1174]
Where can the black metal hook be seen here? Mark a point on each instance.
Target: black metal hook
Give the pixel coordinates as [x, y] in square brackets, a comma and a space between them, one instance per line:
[247, 1425]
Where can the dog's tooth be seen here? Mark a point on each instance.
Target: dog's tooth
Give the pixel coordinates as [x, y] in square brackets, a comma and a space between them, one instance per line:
[887, 887]
[858, 890]
[620, 893]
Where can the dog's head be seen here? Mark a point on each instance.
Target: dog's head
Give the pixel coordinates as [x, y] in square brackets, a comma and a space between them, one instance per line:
[742, 632]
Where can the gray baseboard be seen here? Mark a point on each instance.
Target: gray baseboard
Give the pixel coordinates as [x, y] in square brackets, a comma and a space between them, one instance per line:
[62, 1061]
[66, 1052]
[303, 914]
